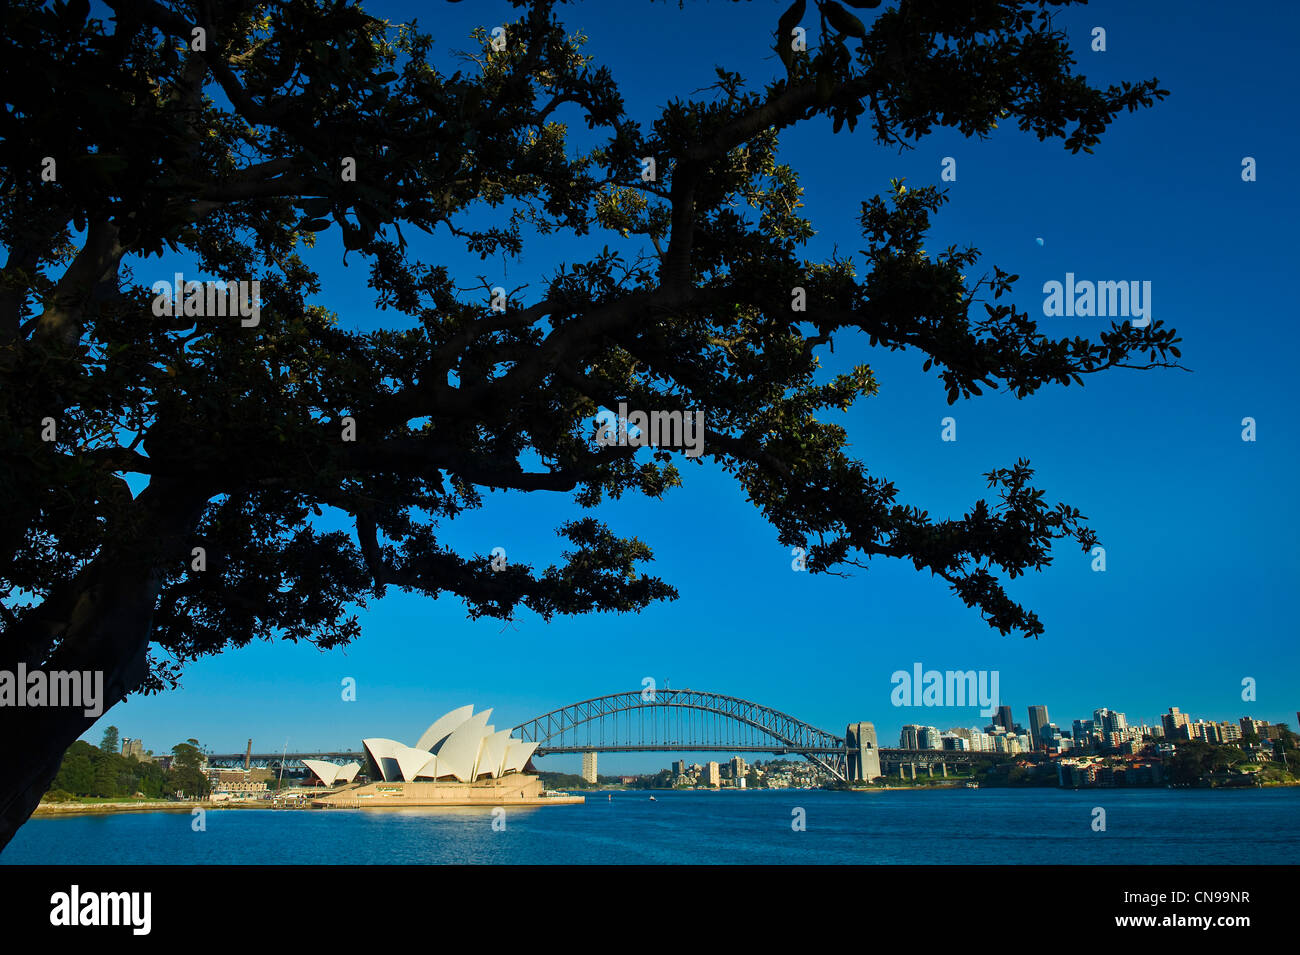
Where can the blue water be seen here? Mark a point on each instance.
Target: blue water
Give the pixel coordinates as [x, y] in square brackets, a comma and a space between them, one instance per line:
[984, 826]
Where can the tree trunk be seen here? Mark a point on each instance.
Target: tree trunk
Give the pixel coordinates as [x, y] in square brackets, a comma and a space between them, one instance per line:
[38, 736]
[107, 633]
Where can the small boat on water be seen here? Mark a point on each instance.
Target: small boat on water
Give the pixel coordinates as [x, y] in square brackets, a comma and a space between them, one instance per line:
[652, 798]
[972, 785]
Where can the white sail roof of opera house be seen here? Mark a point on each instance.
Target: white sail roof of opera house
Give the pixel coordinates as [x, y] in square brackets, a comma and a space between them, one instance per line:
[442, 728]
[459, 745]
[491, 755]
[517, 753]
[459, 751]
[330, 773]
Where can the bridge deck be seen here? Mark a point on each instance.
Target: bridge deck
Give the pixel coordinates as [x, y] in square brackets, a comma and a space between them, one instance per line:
[683, 747]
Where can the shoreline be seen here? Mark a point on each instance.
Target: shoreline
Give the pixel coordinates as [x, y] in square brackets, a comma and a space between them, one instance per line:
[58, 810]
[55, 810]
[112, 808]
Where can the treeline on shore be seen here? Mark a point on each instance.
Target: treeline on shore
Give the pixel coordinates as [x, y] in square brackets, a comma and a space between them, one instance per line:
[103, 772]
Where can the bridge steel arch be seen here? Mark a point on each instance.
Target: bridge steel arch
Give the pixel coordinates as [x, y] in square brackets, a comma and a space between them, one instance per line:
[555, 729]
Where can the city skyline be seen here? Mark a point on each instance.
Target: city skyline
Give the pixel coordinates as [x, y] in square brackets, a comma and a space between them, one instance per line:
[614, 763]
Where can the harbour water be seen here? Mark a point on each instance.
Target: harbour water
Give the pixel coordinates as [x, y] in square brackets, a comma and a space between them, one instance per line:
[983, 826]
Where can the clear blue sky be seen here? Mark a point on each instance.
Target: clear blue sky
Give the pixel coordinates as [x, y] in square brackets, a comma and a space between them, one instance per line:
[1199, 526]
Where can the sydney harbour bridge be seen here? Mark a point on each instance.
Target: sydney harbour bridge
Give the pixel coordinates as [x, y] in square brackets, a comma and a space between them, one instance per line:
[684, 721]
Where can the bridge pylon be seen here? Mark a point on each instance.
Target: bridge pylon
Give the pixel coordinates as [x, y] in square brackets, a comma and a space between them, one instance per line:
[861, 752]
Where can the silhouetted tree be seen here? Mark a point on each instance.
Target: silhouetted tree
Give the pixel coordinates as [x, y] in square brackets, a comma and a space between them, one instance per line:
[225, 131]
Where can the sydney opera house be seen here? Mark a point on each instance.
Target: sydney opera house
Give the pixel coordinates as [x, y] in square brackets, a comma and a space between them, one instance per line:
[460, 756]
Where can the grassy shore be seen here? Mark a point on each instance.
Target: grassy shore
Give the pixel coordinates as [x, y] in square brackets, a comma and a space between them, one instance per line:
[93, 806]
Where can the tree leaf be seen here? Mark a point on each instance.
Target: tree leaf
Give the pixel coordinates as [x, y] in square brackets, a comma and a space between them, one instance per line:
[843, 21]
[785, 30]
[315, 208]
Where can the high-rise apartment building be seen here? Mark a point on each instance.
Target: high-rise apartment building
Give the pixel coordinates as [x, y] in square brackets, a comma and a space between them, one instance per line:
[1222, 732]
[1176, 724]
[1254, 727]
[589, 767]
[910, 737]
[1007, 743]
[712, 775]
[1037, 720]
[1004, 718]
[1108, 721]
